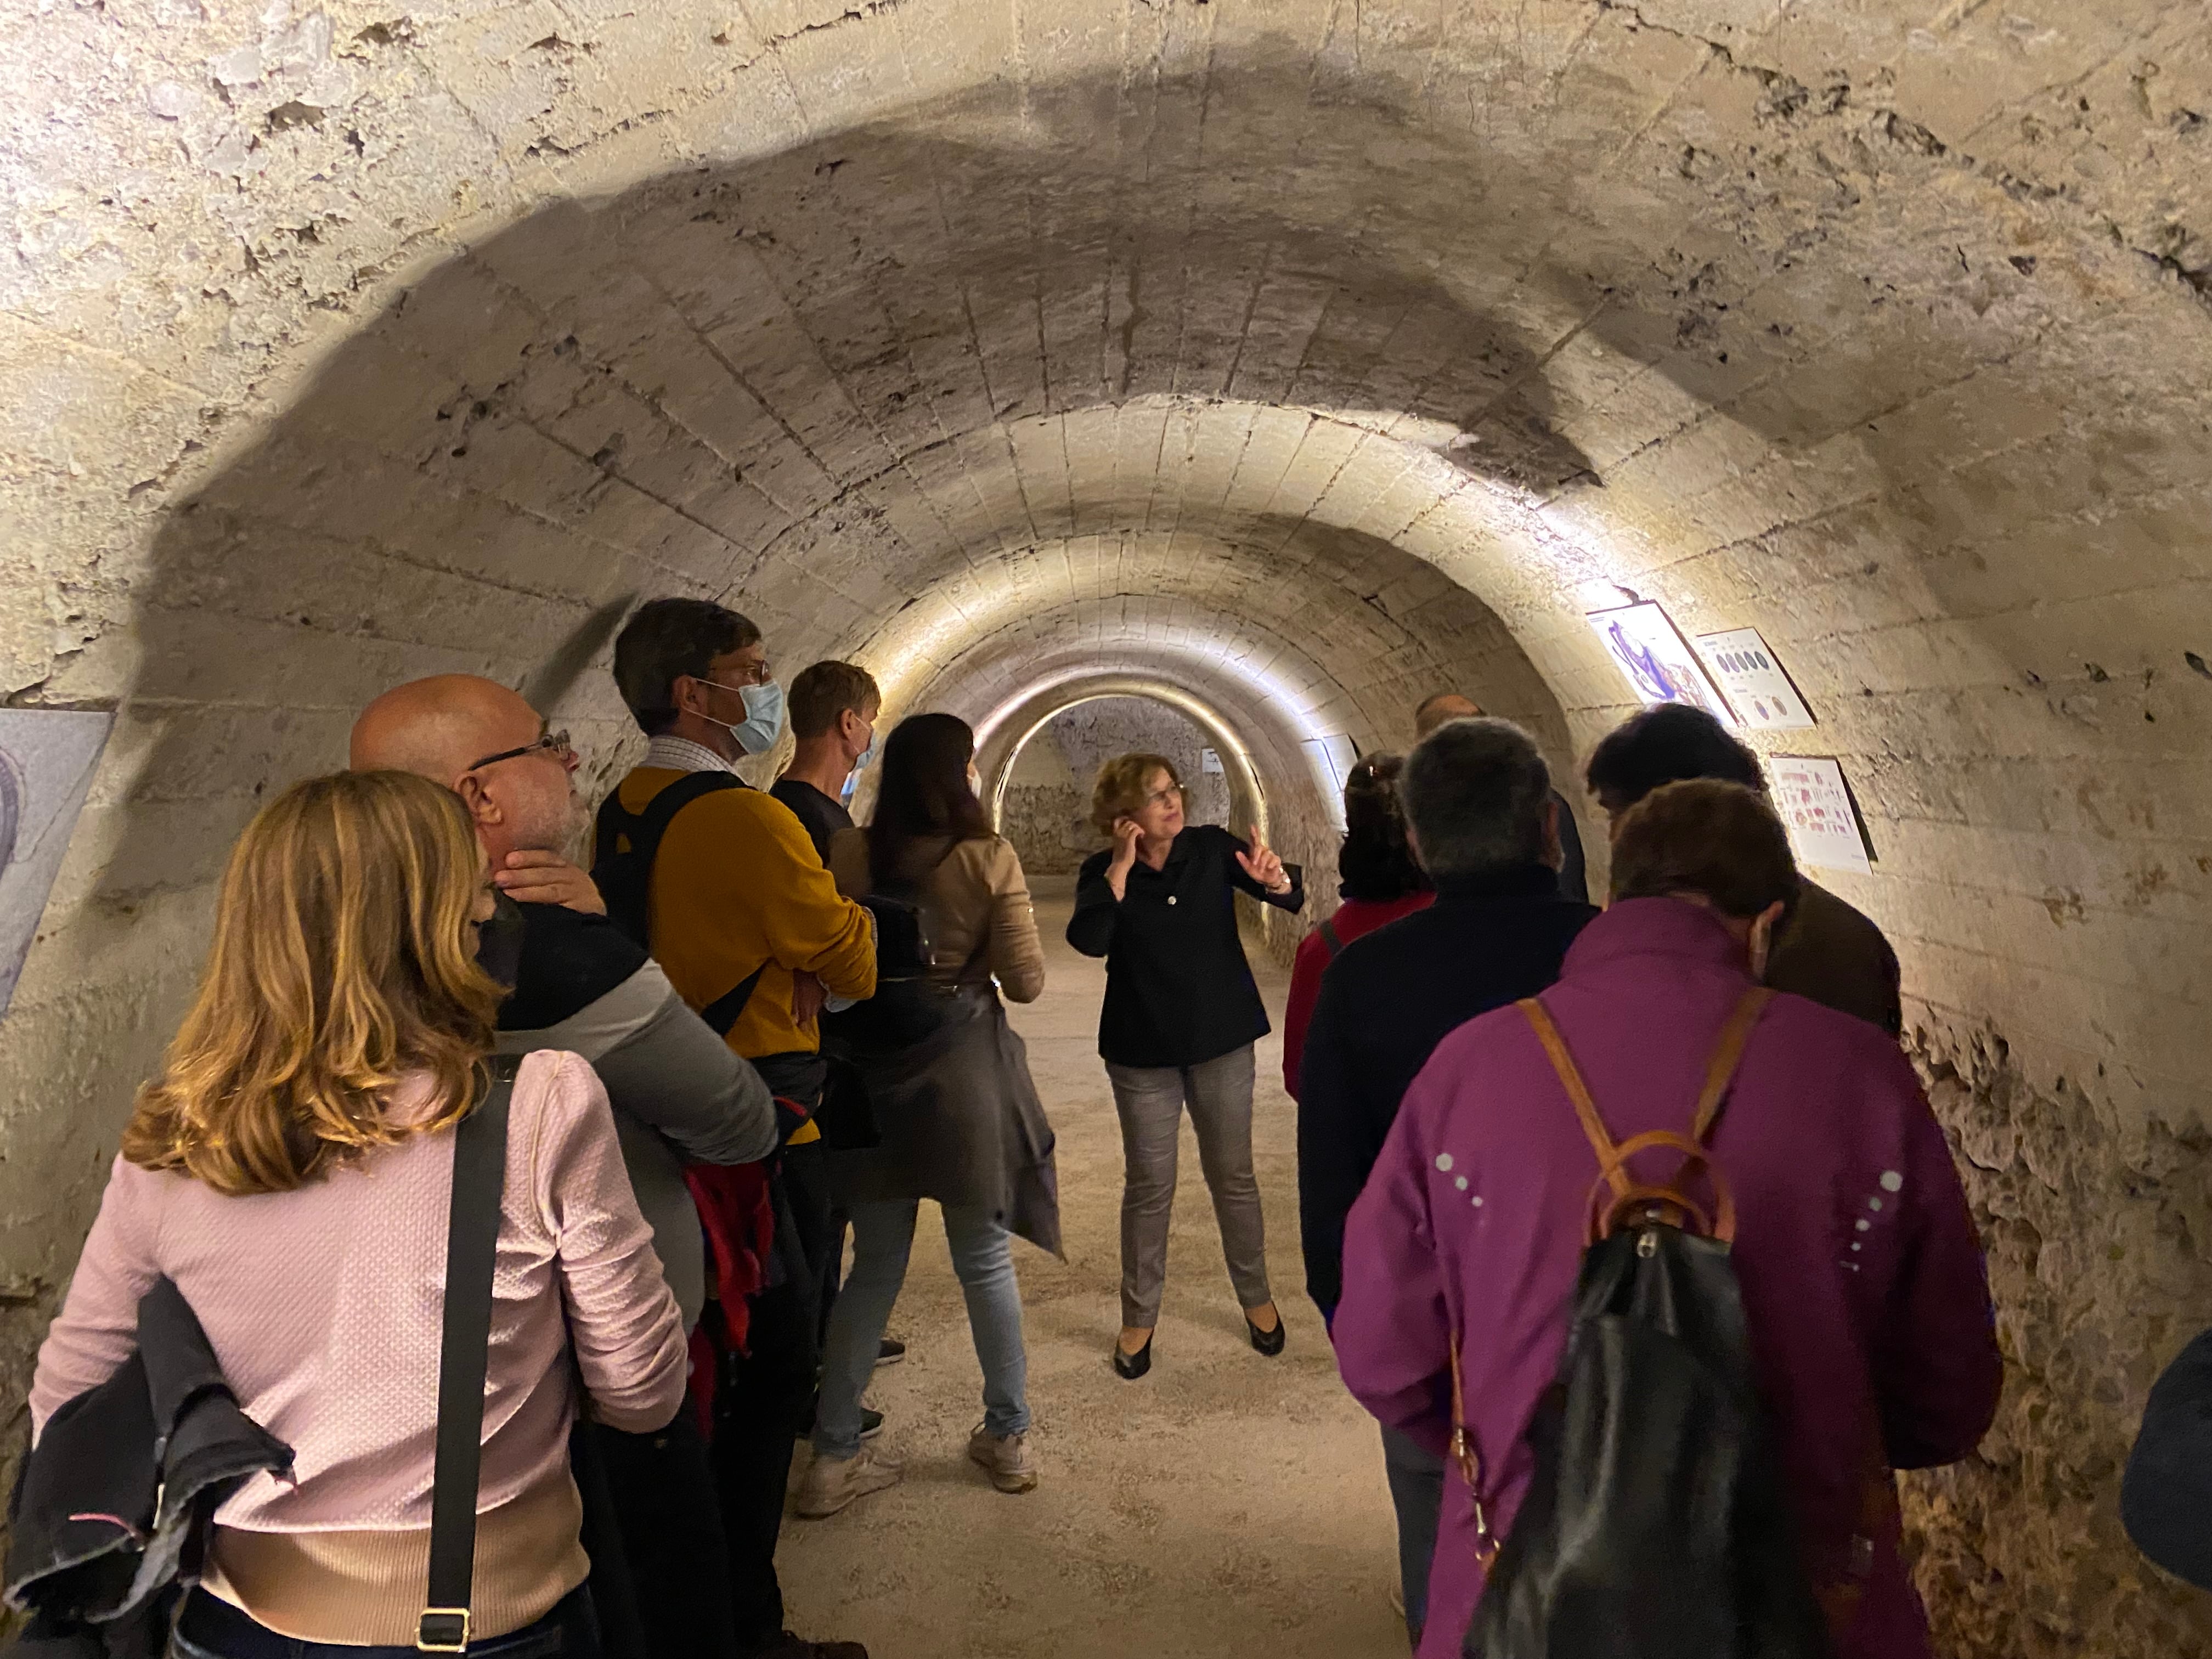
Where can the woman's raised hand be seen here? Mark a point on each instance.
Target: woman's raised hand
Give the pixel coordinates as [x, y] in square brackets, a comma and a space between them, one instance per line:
[1262, 866]
[1127, 832]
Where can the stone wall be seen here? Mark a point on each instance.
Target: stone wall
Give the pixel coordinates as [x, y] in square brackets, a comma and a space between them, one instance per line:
[1046, 811]
[2099, 1242]
[345, 346]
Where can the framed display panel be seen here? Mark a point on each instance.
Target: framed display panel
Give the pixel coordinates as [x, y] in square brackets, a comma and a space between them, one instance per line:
[1656, 661]
[1757, 685]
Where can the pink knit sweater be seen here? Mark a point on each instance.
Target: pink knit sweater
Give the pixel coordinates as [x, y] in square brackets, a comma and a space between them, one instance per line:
[323, 1303]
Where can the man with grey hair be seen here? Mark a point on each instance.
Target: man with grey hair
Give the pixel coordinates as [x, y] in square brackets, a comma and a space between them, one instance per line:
[1434, 711]
[1483, 821]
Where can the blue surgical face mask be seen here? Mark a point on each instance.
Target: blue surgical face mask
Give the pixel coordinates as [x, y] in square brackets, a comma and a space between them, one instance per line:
[763, 722]
[869, 756]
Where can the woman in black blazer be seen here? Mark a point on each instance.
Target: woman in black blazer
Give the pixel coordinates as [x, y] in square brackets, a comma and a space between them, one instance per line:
[1181, 1015]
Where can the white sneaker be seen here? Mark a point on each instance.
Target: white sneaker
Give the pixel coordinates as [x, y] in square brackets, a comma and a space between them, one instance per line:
[1007, 1457]
[830, 1482]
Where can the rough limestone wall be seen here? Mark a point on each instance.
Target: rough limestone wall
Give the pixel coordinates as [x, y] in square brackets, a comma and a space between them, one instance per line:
[1046, 809]
[1882, 326]
[2099, 1239]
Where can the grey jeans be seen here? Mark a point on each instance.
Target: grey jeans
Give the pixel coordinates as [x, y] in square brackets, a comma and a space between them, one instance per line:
[1150, 1100]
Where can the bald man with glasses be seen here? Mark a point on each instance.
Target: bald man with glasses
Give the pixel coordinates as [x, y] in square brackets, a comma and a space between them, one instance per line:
[679, 1096]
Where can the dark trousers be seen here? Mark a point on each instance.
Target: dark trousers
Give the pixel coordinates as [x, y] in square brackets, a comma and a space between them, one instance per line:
[670, 1545]
[762, 1399]
[213, 1629]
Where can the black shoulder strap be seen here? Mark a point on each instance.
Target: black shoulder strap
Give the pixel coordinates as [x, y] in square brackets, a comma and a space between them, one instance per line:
[643, 831]
[629, 904]
[1330, 940]
[463, 1354]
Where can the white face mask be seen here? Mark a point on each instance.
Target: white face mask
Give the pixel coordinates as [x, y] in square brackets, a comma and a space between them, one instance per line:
[763, 722]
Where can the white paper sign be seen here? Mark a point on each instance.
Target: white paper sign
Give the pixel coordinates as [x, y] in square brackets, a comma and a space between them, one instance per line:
[1656, 660]
[47, 762]
[1759, 689]
[1815, 803]
[1210, 763]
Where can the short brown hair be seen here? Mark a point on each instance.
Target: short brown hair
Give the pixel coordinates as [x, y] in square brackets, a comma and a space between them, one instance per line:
[670, 639]
[822, 690]
[343, 962]
[1717, 840]
[1121, 787]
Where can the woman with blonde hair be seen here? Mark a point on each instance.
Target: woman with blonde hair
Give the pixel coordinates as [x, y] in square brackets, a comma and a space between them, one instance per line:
[290, 1171]
[1181, 1015]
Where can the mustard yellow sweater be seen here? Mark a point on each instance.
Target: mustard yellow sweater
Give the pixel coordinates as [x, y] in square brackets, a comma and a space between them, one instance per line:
[738, 886]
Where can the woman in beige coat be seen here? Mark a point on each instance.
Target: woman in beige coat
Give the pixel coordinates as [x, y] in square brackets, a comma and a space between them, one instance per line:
[949, 1084]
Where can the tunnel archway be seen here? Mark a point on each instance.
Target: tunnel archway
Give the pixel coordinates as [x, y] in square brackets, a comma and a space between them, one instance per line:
[1845, 323]
[999, 744]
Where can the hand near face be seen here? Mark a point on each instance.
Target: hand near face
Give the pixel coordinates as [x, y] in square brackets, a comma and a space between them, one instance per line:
[537, 877]
[1127, 832]
[1263, 865]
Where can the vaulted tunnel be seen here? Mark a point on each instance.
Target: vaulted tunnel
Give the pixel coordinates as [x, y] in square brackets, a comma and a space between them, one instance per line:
[1297, 357]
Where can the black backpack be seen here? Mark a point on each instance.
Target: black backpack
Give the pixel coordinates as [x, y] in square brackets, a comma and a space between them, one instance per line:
[625, 844]
[909, 1006]
[1656, 1525]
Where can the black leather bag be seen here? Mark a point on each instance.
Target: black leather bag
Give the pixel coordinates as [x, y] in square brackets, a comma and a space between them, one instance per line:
[1655, 1526]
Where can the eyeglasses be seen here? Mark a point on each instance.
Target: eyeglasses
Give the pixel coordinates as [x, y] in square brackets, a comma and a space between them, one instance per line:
[1166, 797]
[553, 743]
[759, 673]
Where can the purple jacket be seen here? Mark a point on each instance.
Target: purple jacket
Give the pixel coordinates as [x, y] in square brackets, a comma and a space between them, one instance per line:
[1862, 1277]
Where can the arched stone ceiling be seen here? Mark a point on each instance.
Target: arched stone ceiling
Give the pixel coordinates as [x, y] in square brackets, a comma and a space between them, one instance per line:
[345, 344]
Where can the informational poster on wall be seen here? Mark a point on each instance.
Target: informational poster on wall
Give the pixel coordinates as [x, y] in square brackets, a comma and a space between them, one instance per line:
[1209, 762]
[1655, 659]
[1758, 688]
[47, 762]
[1815, 803]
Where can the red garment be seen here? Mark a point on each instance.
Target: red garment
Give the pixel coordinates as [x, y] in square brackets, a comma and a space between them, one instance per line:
[1354, 917]
[739, 1217]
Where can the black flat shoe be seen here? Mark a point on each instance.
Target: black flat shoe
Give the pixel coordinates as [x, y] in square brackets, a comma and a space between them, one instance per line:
[1269, 1343]
[1131, 1366]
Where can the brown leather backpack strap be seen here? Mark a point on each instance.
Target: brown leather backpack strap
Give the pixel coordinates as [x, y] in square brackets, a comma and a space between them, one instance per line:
[1571, 1078]
[1727, 1053]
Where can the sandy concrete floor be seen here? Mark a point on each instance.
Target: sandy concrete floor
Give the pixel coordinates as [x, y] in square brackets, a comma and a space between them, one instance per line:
[1226, 1504]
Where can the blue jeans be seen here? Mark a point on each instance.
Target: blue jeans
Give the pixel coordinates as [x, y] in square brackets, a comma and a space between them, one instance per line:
[883, 1238]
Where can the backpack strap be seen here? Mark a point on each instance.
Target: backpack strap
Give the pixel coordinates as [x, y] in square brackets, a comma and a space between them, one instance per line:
[1331, 941]
[464, 1355]
[643, 831]
[1571, 1078]
[1727, 1053]
[617, 824]
[1668, 1200]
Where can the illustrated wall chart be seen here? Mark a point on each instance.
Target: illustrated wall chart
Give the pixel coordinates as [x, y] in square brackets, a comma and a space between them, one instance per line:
[1816, 806]
[1656, 660]
[1758, 688]
[47, 762]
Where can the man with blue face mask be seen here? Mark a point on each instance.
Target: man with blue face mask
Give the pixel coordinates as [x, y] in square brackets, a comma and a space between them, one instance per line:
[721, 883]
[834, 706]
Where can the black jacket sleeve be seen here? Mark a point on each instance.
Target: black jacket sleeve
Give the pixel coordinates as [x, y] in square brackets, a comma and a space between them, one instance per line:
[1091, 929]
[1294, 900]
[2165, 1497]
[1337, 1143]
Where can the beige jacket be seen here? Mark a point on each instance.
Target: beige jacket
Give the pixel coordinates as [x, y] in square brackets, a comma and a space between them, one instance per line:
[981, 923]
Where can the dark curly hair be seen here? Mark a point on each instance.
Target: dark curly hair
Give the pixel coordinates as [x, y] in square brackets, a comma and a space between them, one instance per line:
[1375, 862]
